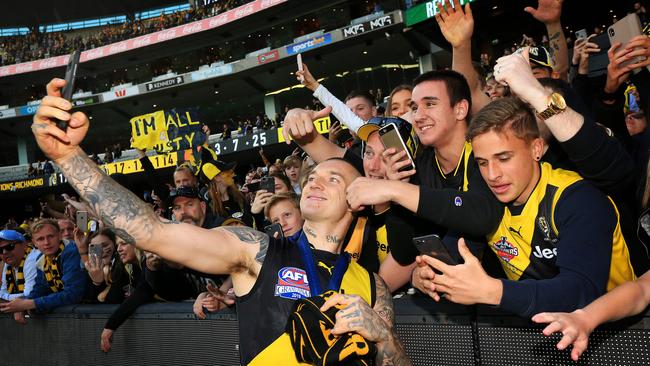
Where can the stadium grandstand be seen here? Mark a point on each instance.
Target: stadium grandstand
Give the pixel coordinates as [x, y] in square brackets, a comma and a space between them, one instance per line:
[215, 114]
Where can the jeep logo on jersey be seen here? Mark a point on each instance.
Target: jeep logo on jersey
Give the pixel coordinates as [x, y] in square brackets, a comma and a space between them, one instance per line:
[505, 250]
[292, 284]
[545, 253]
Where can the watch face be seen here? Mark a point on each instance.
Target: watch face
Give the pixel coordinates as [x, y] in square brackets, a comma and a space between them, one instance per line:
[558, 101]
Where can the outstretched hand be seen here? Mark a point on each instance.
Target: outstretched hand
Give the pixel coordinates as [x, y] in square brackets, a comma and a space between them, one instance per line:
[455, 24]
[575, 329]
[547, 12]
[299, 123]
[54, 142]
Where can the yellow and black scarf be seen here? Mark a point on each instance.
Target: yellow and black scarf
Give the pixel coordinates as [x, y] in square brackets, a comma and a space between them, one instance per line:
[310, 333]
[52, 272]
[17, 285]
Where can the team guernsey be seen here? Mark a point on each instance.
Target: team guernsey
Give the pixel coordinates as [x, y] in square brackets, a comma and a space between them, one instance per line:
[568, 233]
[263, 312]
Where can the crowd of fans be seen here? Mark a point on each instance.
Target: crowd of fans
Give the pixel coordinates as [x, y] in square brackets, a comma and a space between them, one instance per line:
[38, 45]
[533, 179]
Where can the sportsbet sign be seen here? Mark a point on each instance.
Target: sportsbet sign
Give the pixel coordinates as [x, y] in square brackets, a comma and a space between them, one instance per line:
[422, 12]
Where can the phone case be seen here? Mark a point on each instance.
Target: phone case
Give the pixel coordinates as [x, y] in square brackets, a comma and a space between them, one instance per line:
[623, 31]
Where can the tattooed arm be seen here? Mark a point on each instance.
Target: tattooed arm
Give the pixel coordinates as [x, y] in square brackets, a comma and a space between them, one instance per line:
[549, 12]
[219, 251]
[374, 324]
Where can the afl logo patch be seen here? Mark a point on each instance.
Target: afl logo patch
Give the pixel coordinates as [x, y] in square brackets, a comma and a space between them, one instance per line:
[292, 284]
[458, 201]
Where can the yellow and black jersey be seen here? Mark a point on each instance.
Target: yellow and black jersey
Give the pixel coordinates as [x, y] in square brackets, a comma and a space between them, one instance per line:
[263, 312]
[567, 229]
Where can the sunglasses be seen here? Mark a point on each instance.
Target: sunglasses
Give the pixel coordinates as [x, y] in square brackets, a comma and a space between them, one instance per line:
[185, 191]
[637, 115]
[9, 247]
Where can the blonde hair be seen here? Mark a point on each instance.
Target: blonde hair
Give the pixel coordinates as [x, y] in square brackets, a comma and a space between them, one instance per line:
[39, 224]
[280, 197]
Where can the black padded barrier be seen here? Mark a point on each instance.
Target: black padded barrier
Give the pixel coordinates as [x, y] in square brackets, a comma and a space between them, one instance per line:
[433, 334]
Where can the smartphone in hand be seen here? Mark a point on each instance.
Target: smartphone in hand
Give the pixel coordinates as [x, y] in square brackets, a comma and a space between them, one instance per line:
[623, 31]
[300, 68]
[274, 231]
[268, 184]
[82, 221]
[95, 250]
[68, 89]
[390, 137]
[432, 246]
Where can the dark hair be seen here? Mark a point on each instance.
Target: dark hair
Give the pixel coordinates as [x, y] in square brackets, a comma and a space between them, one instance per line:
[507, 112]
[285, 180]
[457, 87]
[107, 232]
[361, 94]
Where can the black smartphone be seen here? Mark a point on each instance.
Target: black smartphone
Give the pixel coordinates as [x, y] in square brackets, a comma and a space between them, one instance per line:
[390, 137]
[253, 187]
[68, 89]
[432, 246]
[268, 184]
[274, 231]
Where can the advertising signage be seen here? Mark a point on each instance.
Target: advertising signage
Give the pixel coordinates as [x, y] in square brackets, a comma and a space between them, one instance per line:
[424, 11]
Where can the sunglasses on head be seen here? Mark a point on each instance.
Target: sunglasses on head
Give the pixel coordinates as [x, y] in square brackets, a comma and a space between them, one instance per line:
[637, 115]
[9, 247]
[184, 191]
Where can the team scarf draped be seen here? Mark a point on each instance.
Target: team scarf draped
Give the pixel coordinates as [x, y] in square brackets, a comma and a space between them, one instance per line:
[52, 272]
[17, 285]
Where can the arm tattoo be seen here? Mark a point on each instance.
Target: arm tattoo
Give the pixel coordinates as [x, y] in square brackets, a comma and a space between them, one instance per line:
[552, 41]
[251, 236]
[384, 302]
[390, 352]
[115, 205]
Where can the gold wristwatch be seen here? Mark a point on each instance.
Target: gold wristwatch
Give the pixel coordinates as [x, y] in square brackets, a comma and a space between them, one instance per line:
[556, 104]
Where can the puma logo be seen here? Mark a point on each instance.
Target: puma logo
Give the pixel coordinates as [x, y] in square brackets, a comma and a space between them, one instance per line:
[328, 268]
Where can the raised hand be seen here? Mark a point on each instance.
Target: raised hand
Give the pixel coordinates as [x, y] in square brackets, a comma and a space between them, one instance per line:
[306, 78]
[56, 143]
[299, 123]
[455, 24]
[548, 11]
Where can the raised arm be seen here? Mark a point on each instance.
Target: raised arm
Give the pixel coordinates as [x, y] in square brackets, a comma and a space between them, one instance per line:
[549, 12]
[237, 249]
[457, 26]
[299, 126]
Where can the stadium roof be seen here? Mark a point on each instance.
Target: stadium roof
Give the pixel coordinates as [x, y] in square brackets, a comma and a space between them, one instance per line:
[41, 12]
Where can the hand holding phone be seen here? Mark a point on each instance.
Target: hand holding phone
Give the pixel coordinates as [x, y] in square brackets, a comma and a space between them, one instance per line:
[268, 184]
[68, 89]
[82, 220]
[274, 231]
[300, 68]
[623, 31]
[432, 246]
[391, 138]
[95, 253]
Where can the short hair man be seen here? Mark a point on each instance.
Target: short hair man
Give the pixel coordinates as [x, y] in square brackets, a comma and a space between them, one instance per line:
[67, 229]
[559, 241]
[60, 280]
[19, 270]
[251, 257]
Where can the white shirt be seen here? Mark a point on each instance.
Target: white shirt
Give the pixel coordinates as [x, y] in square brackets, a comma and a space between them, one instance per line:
[341, 111]
[29, 272]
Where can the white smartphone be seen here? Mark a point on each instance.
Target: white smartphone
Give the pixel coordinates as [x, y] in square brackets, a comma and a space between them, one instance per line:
[582, 33]
[624, 30]
[300, 68]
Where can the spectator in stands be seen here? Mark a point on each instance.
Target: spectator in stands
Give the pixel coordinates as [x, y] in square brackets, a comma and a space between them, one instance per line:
[225, 135]
[399, 101]
[108, 156]
[19, 270]
[60, 280]
[292, 165]
[263, 198]
[284, 209]
[226, 200]
[48, 169]
[104, 270]
[184, 176]
[570, 229]
[67, 228]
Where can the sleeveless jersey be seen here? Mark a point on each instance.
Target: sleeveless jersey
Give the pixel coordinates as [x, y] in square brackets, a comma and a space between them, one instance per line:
[263, 312]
